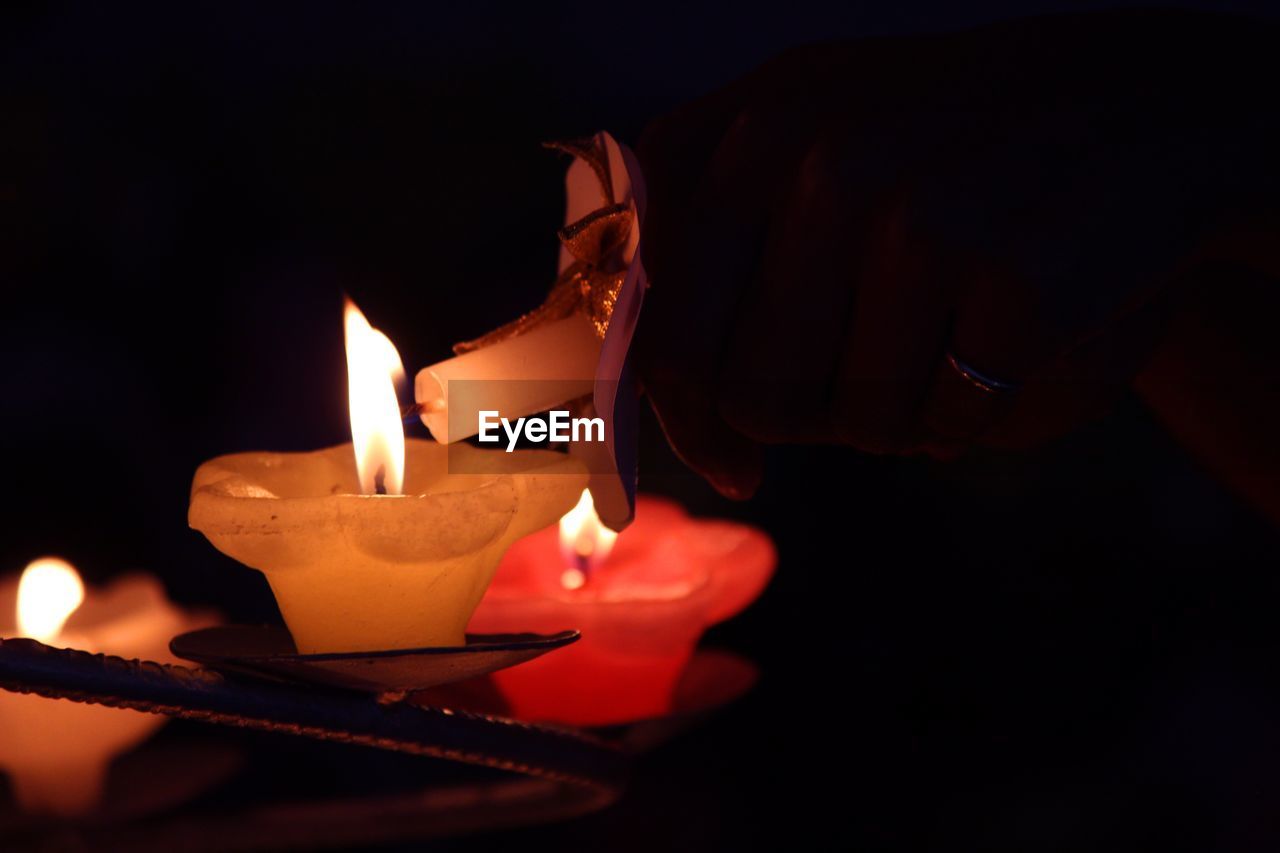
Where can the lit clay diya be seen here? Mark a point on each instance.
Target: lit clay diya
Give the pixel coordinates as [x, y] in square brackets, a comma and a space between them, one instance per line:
[642, 608]
[56, 752]
[356, 572]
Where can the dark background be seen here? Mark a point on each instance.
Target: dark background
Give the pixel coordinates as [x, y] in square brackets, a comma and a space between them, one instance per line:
[185, 194]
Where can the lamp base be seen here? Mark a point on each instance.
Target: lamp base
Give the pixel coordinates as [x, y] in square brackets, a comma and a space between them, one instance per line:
[268, 651]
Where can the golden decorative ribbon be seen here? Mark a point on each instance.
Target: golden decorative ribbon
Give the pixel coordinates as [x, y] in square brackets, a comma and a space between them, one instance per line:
[592, 282]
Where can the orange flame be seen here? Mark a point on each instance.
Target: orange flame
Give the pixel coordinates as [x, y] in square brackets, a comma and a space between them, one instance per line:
[377, 433]
[584, 542]
[49, 591]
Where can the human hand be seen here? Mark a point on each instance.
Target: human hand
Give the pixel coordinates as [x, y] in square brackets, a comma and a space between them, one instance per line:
[825, 234]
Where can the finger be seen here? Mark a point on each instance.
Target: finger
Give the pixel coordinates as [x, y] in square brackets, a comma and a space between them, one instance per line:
[674, 150]
[1084, 381]
[995, 344]
[783, 352]
[708, 253]
[730, 462]
[893, 343]
[673, 153]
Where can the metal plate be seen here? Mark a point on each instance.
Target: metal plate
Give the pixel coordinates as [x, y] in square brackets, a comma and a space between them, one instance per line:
[268, 651]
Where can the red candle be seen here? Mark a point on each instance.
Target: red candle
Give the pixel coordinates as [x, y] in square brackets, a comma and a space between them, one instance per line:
[641, 607]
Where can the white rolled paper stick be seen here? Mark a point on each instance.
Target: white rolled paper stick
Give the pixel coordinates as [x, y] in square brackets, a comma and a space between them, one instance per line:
[532, 372]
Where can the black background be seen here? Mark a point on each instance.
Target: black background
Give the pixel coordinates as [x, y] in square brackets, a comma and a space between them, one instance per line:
[187, 191]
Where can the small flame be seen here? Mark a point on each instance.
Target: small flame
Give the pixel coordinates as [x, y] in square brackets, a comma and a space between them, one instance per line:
[373, 368]
[49, 591]
[584, 542]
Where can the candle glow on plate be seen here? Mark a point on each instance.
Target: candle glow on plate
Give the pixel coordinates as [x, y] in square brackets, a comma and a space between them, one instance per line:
[56, 752]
